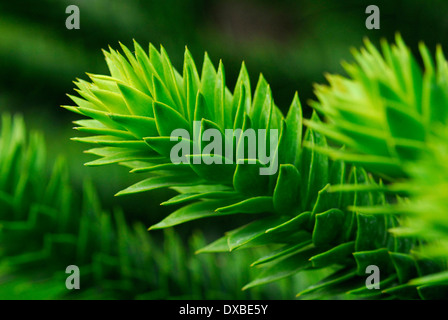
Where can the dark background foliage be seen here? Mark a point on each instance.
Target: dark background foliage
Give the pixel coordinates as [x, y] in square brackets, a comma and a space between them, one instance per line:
[293, 43]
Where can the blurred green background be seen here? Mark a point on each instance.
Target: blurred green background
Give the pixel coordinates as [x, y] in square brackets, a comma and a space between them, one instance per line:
[292, 42]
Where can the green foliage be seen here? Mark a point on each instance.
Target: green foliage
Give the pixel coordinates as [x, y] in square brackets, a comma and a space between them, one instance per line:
[45, 227]
[429, 190]
[427, 206]
[392, 117]
[134, 111]
[387, 109]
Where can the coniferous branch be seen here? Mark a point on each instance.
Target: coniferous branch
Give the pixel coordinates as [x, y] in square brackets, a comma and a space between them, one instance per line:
[392, 117]
[135, 110]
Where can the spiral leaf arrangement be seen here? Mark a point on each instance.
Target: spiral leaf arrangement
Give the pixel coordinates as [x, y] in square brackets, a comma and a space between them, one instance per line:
[45, 227]
[133, 112]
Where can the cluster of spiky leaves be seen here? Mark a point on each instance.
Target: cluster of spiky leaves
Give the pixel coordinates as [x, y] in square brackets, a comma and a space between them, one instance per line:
[428, 189]
[392, 117]
[387, 108]
[45, 227]
[427, 206]
[135, 110]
